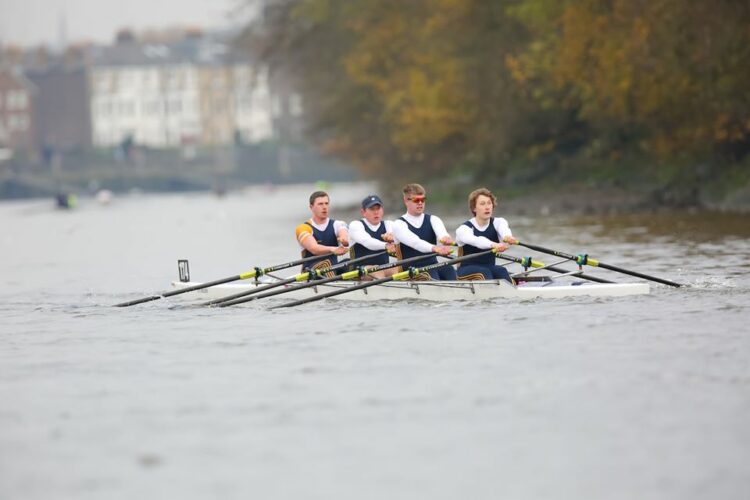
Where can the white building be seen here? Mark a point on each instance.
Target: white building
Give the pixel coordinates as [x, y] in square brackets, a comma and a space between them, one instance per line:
[170, 95]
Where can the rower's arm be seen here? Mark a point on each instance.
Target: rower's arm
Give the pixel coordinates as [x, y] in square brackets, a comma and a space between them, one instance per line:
[403, 235]
[503, 229]
[440, 232]
[357, 234]
[465, 235]
[307, 241]
[342, 232]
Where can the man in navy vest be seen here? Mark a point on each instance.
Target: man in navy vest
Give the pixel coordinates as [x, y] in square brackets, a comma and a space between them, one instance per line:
[480, 233]
[321, 235]
[371, 235]
[419, 233]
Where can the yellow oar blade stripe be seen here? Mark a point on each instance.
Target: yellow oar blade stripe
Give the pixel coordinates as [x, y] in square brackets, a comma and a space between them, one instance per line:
[247, 275]
[351, 275]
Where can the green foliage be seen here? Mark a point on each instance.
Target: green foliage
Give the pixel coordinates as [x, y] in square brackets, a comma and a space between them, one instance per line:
[407, 90]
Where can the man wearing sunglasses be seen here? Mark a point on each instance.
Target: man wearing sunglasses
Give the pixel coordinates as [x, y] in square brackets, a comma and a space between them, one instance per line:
[419, 233]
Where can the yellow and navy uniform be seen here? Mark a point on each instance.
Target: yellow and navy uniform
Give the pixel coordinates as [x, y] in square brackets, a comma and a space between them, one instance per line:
[326, 236]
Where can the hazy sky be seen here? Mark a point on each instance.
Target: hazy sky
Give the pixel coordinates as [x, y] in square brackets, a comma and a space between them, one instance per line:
[30, 22]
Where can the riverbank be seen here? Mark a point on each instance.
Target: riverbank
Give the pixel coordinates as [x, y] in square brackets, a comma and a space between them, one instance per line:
[572, 198]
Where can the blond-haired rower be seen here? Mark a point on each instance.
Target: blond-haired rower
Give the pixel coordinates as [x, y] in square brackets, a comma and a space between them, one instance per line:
[420, 233]
[483, 232]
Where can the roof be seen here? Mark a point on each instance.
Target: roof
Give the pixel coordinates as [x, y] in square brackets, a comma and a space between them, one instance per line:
[200, 50]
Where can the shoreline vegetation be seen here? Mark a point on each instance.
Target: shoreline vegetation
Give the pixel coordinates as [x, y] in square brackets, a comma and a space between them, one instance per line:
[546, 196]
[577, 105]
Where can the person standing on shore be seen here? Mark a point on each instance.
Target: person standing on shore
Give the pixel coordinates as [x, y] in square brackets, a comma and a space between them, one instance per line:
[321, 235]
[420, 233]
[371, 235]
[483, 232]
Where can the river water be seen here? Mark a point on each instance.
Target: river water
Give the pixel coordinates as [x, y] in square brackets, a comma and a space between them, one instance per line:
[642, 397]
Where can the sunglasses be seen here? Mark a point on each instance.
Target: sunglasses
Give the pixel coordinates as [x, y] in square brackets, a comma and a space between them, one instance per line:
[418, 199]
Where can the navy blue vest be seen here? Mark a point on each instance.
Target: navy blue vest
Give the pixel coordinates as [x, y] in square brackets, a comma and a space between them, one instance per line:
[358, 250]
[325, 237]
[425, 233]
[491, 234]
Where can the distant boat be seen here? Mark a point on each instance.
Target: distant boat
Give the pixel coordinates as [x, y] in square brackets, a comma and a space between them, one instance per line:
[66, 200]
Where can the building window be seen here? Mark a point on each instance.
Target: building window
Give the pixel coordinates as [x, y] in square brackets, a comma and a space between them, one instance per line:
[17, 99]
[18, 122]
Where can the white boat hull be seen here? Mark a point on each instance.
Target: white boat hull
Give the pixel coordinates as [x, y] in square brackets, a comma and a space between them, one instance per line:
[441, 291]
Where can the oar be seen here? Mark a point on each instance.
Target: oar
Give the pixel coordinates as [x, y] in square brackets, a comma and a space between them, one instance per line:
[250, 274]
[409, 273]
[584, 259]
[307, 275]
[351, 275]
[529, 262]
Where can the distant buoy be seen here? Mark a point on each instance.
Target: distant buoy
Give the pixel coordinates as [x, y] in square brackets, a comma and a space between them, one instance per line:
[104, 196]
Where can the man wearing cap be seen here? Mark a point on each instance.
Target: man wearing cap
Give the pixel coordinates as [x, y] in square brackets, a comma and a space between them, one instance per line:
[419, 233]
[371, 235]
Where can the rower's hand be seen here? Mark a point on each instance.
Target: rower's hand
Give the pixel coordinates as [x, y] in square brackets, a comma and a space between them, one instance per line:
[510, 240]
[391, 248]
[341, 250]
[387, 237]
[343, 241]
[500, 247]
[442, 251]
[447, 240]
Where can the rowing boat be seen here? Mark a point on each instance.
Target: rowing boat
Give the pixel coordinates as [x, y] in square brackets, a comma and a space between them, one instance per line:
[439, 291]
[226, 292]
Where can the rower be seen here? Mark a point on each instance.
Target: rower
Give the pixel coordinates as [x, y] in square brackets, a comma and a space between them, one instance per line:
[321, 235]
[371, 235]
[419, 233]
[483, 232]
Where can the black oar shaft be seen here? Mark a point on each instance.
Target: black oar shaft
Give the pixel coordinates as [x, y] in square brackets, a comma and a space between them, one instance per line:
[639, 275]
[323, 281]
[234, 299]
[335, 292]
[179, 291]
[244, 299]
[244, 293]
[594, 262]
[402, 275]
[250, 274]
[554, 269]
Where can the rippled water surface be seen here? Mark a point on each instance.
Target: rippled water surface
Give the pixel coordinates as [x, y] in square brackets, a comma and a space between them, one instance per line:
[642, 397]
